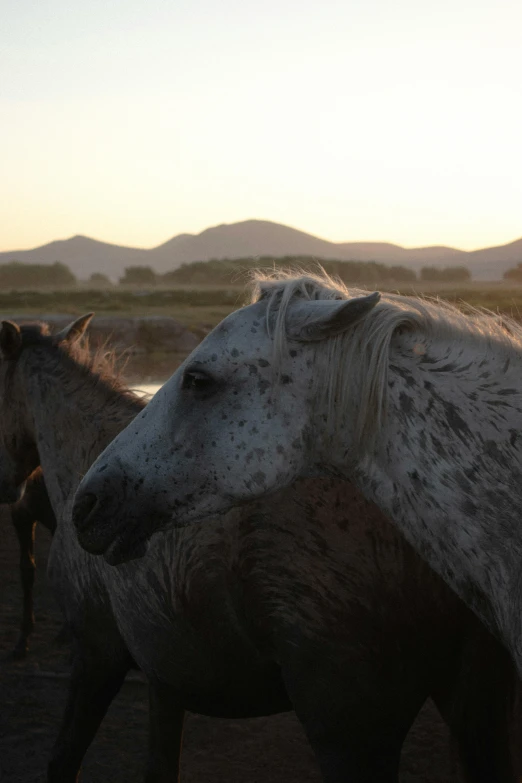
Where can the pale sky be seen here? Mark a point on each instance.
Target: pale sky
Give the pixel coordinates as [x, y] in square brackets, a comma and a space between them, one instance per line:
[382, 120]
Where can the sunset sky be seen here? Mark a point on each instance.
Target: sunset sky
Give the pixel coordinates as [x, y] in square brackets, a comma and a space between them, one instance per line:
[131, 122]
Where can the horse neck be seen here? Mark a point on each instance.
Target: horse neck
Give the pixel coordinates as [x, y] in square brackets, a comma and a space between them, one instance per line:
[75, 416]
[447, 471]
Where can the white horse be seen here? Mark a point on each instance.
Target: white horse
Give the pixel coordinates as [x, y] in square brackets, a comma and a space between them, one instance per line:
[417, 403]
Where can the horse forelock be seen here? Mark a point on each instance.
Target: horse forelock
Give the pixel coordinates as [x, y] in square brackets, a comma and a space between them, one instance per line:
[352, 369]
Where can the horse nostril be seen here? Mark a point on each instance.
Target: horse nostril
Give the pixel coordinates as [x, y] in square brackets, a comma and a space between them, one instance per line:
[82, 509]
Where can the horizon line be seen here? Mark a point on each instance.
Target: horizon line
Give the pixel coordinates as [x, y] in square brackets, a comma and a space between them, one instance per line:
[258, 220]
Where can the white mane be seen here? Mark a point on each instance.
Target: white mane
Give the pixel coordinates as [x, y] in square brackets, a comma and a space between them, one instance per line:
[352, 369]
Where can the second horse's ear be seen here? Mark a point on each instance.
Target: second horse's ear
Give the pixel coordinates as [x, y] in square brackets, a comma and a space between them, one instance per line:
[70, 334]
[10, 340]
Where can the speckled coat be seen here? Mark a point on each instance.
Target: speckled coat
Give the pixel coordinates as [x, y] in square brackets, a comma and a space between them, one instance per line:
[310, 593]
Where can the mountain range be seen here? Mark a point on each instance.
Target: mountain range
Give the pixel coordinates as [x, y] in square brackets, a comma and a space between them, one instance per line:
[253, 238]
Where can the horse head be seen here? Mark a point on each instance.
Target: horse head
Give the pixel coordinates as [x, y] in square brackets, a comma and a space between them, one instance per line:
[234, 423]
[18, 441]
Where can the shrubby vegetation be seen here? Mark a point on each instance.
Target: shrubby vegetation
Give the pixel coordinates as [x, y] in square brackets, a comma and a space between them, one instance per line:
[99, 280]
[223, 271]
[15, 274]
[235, 271]
[514, 274]
[450, 274]
[230, 272]
[139, 276]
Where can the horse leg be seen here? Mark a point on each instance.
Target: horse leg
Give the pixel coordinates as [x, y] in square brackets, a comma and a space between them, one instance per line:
[350, 757]
[477, 704]
[95, 681]
[358, 708]
[165, 734]
[24, 526]
[356, 726]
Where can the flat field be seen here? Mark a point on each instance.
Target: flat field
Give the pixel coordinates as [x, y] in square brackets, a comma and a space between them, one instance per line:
[203, 307]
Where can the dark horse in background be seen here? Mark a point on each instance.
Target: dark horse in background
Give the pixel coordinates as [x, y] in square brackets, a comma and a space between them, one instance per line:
[33, 507]
[251, 613]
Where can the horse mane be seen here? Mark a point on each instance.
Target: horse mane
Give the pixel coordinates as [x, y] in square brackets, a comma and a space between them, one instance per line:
[352, 369]
[101, 368]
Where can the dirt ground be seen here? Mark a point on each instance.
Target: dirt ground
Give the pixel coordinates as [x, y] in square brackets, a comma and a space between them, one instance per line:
[261, 750]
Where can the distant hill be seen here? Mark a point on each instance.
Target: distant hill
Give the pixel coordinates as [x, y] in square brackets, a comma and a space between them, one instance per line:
[82, 255]
[497, 260]
[251, 238]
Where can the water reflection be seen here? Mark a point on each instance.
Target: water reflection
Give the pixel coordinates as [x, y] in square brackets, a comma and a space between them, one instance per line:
[147, 390]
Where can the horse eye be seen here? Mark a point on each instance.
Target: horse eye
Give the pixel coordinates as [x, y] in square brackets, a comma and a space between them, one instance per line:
[197, 381]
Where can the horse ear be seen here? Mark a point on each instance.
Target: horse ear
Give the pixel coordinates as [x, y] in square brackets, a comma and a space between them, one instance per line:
[70, 334]
[320, 318]
[10, 340]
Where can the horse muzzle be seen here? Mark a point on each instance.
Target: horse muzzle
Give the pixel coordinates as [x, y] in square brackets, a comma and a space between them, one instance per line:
[112, 516]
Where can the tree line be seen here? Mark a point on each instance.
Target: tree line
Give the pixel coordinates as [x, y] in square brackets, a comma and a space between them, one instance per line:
[230, 271]
[15, 274]
[514, 274]
[224, 272]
